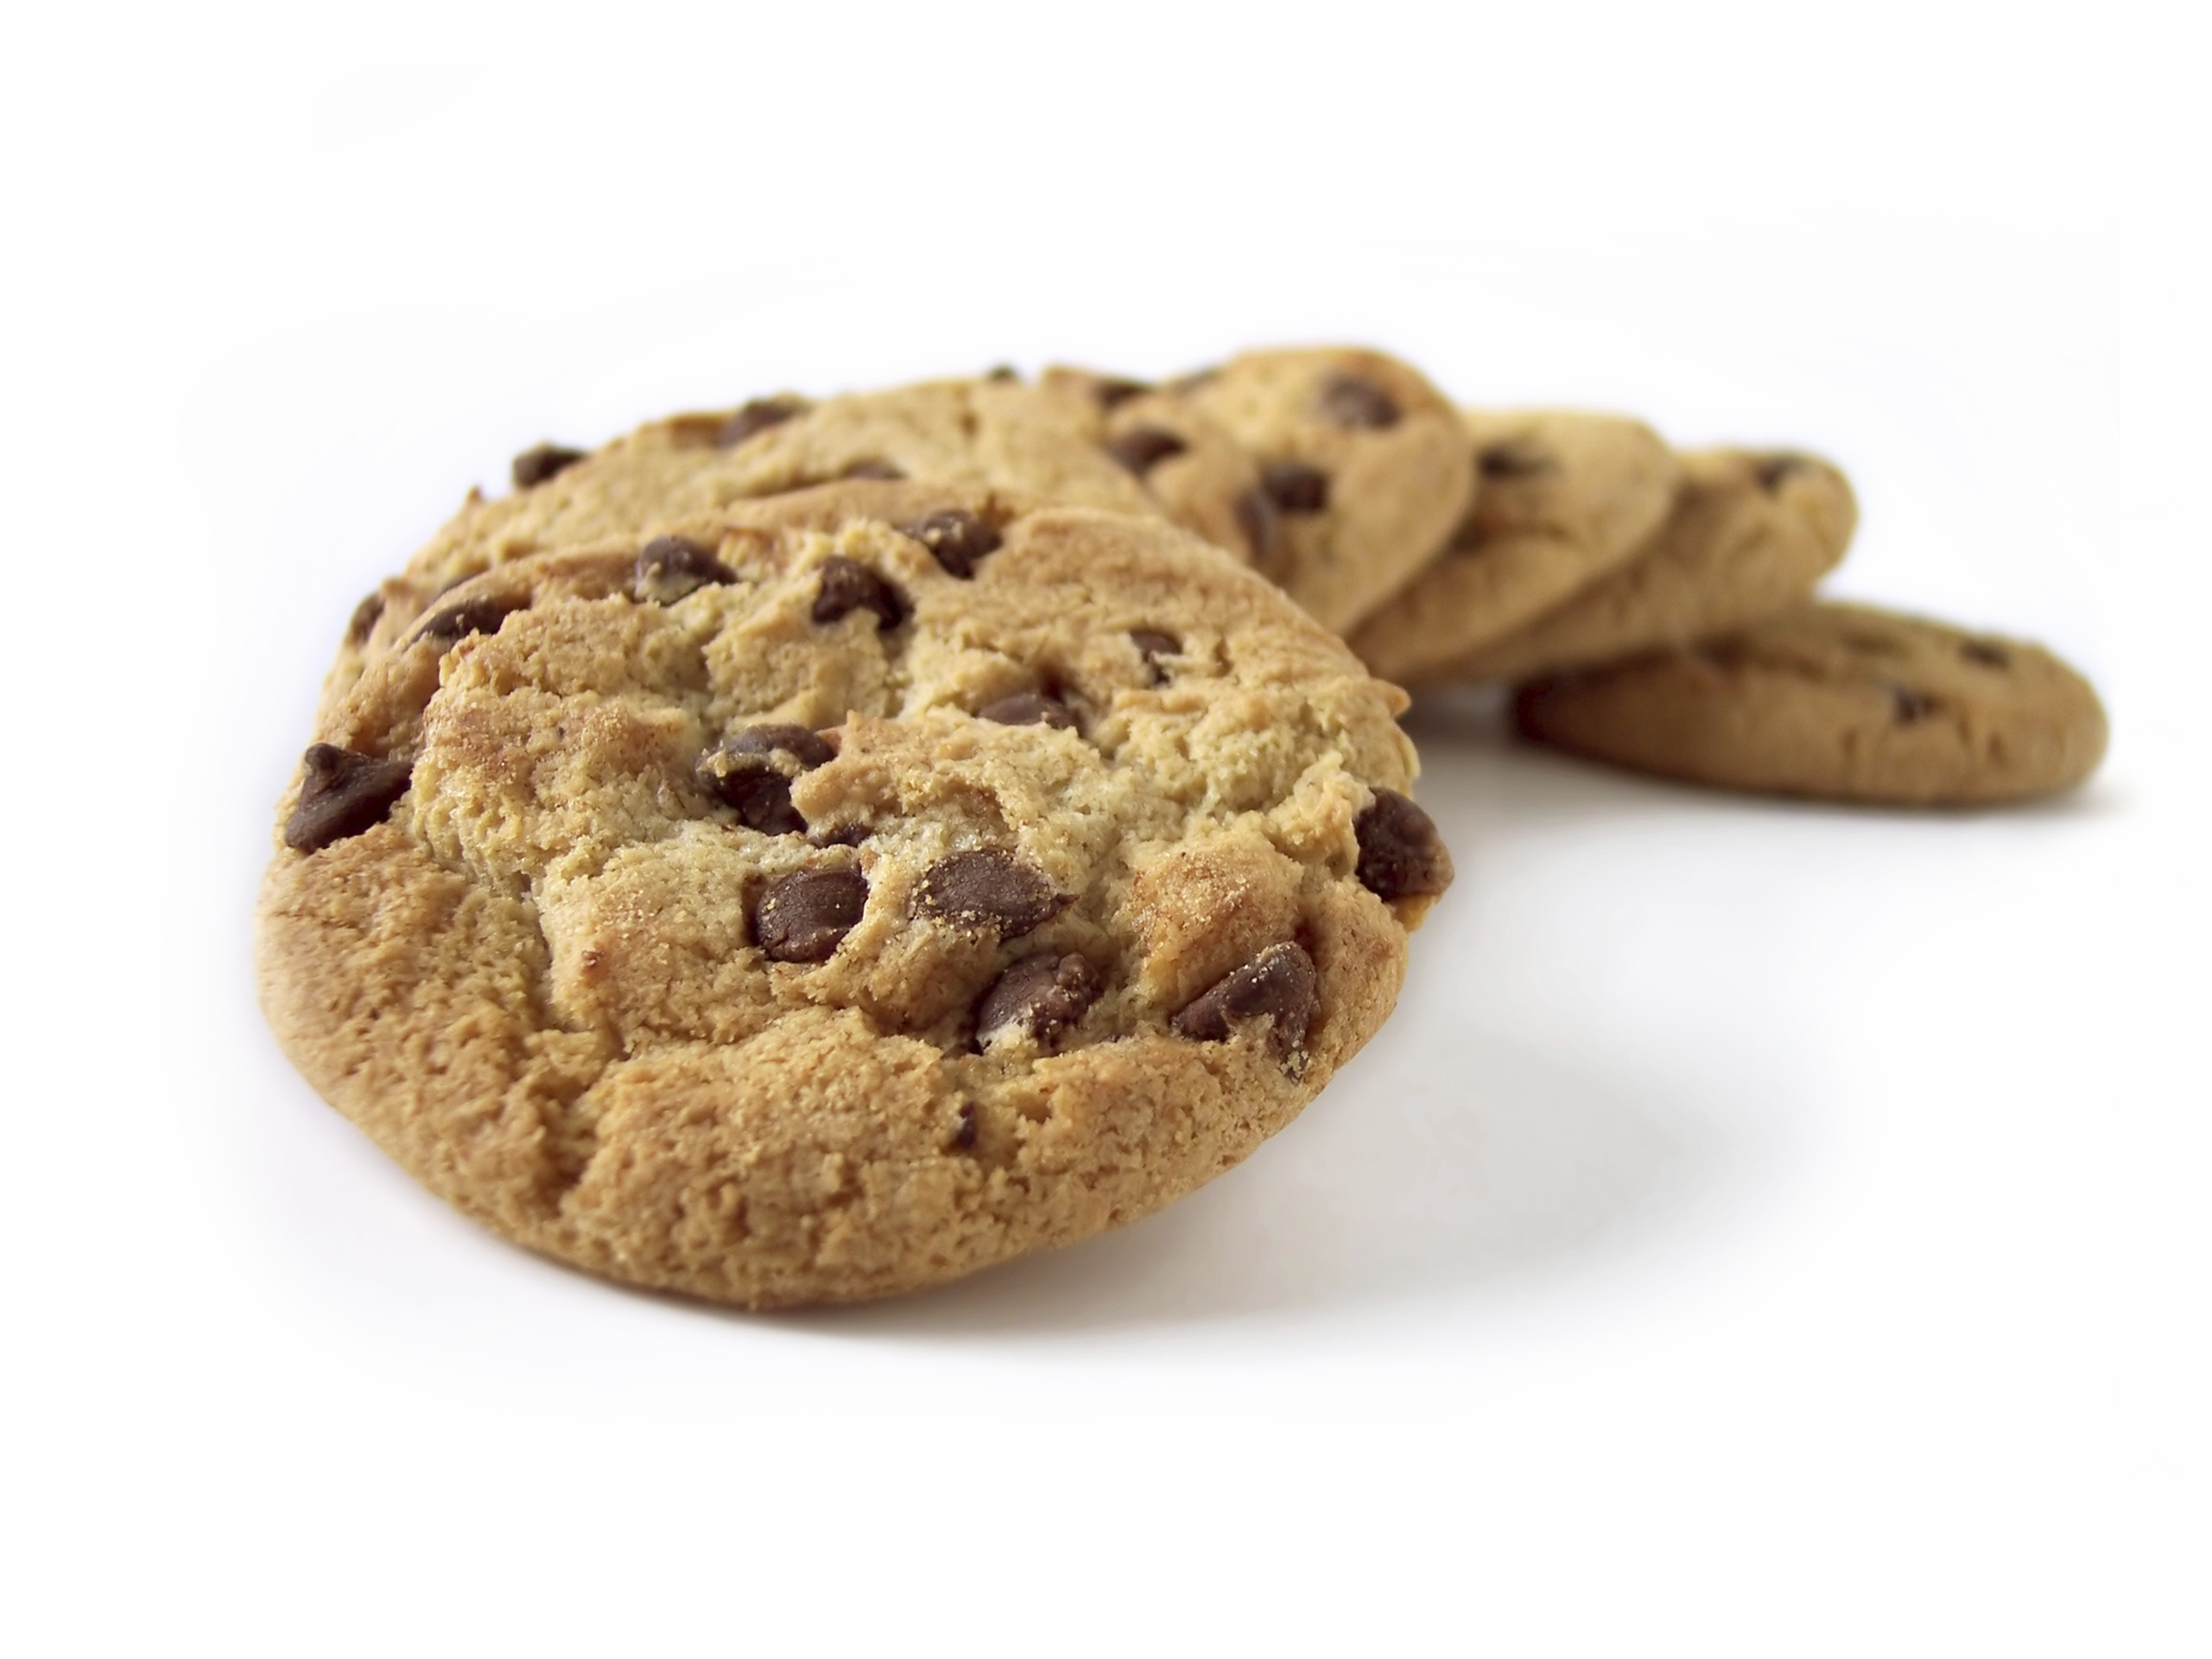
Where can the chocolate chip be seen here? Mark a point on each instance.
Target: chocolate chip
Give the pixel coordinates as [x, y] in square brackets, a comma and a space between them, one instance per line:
[1257, 518]
[481, 614]
[1772, 469]
[989, 889]
[1294, 487]
[841, 835]
[802, 916]
[344, 793]
[883, 470]
[1909, 706]
[964, 1136]
[363, 620]
[742, 774]
[1152, 645]
[1401, 855]
[1111, 393]
[1280, 982]
[533, 466]
[1988, 655]
[1142, 448]
[848, 586]
[807, 747]
[757, 416]
[955, 539]
[670, 567]
[1028, 708]
[1348, 400]
[1039, 996]
[1511, 460]
[1001, 372]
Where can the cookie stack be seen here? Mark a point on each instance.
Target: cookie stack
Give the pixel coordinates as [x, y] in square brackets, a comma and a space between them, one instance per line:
[811, 851]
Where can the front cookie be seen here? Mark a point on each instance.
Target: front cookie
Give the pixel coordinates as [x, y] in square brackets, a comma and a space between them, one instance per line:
[1840, 702]
[830, 904]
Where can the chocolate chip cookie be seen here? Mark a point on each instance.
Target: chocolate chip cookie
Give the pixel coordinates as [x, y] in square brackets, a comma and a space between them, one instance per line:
[1364, 469]
[834, 895]
[1749, 534]
[1838, 701]
[1561, 498]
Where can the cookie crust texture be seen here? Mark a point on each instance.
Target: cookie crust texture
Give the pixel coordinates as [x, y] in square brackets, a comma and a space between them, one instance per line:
[1838, 702]
[1749, 534]
[1067, 916]
[997, 434]
[1367, 465]
[1561, 498]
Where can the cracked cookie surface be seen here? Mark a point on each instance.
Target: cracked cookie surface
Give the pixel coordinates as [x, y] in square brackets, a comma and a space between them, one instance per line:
[994, 434]
[1841, 702]
[832, 897]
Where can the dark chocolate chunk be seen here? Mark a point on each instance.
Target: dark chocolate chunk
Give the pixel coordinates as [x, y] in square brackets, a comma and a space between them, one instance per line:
[1294, 487]
[1257, 518]
[344, 793]
[848, 586]
[363, 622]
[1511, 460]
[955, 539]
[873, 469]
[742, 775]
[1113, 392]
[1152, 645]
[1988, 655]
[1348, 400]
[670, 567]
[1041, 995]
[964, 1136]
[1279, 982]
[841, 835]
[1002, 371]
[1028, 708]
[1909, 706]
[757, 416]
[481, 614]
[533, 466]
[1401, 855]
[1142, 448]
[1772, 469]
[989, 889]
[802, 916]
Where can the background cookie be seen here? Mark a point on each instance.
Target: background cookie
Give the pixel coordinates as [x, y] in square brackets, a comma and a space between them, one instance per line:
[1748, 535]
[1366, 467]
[832, 902]
[1197, 474]
[1839, 701]
[1561, 497]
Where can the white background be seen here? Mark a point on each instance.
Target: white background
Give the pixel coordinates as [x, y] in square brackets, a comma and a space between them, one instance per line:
[1763, 1229]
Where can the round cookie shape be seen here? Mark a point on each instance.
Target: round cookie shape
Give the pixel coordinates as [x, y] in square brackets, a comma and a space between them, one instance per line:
[1366, 465]
[1839, 702]
[1561, 498]
[723, 943]
[1748, 535]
